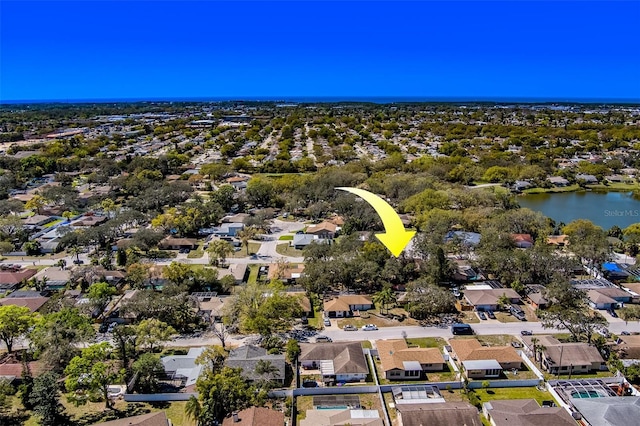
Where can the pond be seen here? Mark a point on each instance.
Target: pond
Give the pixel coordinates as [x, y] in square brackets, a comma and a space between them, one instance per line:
[604, 209]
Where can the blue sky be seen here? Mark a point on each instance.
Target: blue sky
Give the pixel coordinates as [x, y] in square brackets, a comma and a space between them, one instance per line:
[242, 49]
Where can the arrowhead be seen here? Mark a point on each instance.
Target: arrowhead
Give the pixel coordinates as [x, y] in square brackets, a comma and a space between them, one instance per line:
[396, 241]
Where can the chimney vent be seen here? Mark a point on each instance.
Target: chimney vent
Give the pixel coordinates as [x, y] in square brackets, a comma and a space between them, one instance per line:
[235, 417]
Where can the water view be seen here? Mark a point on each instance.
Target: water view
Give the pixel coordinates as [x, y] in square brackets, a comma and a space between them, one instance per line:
[605, 209]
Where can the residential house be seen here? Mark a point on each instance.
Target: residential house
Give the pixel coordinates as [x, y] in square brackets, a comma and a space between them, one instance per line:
[438, 413]
[300, 241]
[522, 240]
[255, 416]
[237, 270]
[521, 412]
[598, 300]
[227, 229]
[88, 221]
[238, 182]
[558, 181]
[538, 301]
[399, 362]
[627, 347]
[11, 279]
[288, 272]
[467, 239]
[55, 277]
[487, 299]
[468, 351]
[305, 302]
[558, 357]
[341, 417]
[482, 369]
[156, 418]
[344, 306]
[183, 368]
[337, 362]
[608, 411]
[172, 243]
[37, 220]
[34, 300]
[589, 179]
[324, 230]
[210, 305]
[617, 294]
[558, 240]
[247, 357]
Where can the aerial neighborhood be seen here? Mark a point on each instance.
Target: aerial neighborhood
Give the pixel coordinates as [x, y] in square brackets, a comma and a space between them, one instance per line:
[170, 263]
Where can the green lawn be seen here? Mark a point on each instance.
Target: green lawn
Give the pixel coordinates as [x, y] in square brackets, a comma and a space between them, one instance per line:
[569, 188]
[594, 375]
[367, 344]
[512, 393]
[197, 253]
[286, 250]
[253, 248]
[253, 274]
[427, 342]
[286, 238]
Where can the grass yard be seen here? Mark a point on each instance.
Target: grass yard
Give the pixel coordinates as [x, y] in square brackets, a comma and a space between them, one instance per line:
[253, 248]
[367, 344]
[286, 238]
[286, 250]
[594, 375]
[197, 253]
[253, 274]
[469, 317]
[53, 223]
[492, 340]
[447, 375]
[513, 393]
[388, 399]
[303, 403]
[570, 188]
[427, 342]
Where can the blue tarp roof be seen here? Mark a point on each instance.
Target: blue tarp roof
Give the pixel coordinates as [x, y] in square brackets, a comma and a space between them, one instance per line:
[611, 266]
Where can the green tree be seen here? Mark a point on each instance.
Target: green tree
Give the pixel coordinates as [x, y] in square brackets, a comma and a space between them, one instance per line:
[137, 274]
[218, 251]
[89, 375]
[193, 409]
[630, 313]
[152, 333]
[223, 393]
[36, 203]
[15, 322]
[245, 235]
[292, 350]
[213, 358]
[148, 369]
[384, 298]
[99, 294]
[588, 241]
[45, 399]
[56, 336]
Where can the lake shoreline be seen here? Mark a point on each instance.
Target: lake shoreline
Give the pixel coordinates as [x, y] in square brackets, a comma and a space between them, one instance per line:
[577, 188]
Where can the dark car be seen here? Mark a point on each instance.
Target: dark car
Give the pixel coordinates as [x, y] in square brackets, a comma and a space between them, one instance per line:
[103, 327]
[482, 315]
[309, 384]
[526, 333]
[491, 315]
[78, 261]
[612, 313]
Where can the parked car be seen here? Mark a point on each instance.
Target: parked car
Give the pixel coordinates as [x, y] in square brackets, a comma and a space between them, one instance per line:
[305, 320]
[327, 322]
[516, 345]
[349, 327]
[103, 327]
[625, 333]
[526, 333]
[323, 339]
[309, 384]
[482, 315]
[369, 327]
[491, 315]
[78, 261]
[612, 313]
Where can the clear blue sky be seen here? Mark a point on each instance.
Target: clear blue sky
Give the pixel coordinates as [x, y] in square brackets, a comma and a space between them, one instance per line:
[164, 49]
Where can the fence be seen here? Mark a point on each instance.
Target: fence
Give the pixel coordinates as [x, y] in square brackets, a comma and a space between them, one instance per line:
[158, 397]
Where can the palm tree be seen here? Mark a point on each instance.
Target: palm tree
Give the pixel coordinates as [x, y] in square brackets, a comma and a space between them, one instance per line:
[193, 409]
[218, 251]
[266, 370]
[245, 235]
[75, 251]
[384, 298]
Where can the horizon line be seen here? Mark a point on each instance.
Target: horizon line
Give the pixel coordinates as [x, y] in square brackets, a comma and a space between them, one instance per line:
[335, 99]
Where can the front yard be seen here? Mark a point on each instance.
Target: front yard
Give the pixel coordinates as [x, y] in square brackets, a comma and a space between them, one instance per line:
[286, 250]
[253, 248]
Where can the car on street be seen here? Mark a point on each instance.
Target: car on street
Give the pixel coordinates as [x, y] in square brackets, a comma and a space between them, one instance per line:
[369, 327]
[526, 333]
[482, 315]
[327, 322]
[349, 327]
[323, 339]
[625, 333]
[491, 315]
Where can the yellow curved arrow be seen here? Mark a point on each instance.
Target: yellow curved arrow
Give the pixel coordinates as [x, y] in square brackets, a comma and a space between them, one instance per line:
[395, 237]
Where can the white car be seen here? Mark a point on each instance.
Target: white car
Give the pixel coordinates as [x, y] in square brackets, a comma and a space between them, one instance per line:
[369, 327]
